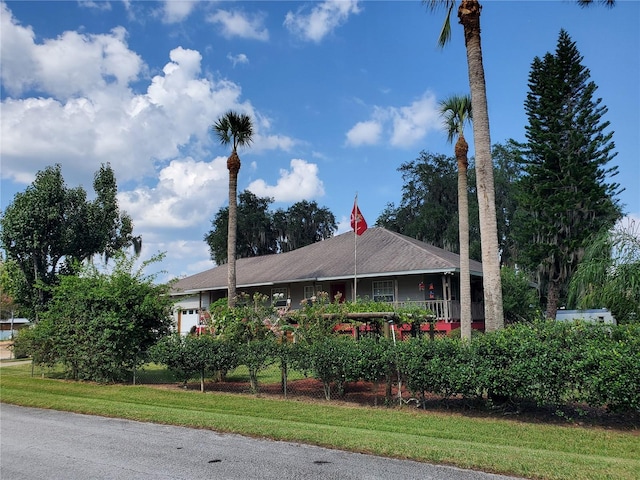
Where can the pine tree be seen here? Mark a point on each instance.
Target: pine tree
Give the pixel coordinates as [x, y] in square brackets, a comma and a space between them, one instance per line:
[565, 194]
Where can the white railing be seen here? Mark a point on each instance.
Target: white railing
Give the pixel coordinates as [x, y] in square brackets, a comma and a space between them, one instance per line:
[447, 310]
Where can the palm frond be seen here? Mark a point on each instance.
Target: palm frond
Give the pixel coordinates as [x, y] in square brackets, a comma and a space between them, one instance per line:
[606, 3]
[456, 111]
[445, 32]
[234, 128]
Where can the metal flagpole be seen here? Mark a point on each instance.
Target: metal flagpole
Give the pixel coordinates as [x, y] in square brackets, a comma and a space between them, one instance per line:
[355, 249]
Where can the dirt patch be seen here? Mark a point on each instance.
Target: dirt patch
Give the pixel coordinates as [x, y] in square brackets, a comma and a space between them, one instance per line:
[367, 394]
[6, 351]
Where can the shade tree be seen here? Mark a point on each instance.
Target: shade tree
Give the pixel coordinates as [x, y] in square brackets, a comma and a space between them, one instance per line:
[50, 227]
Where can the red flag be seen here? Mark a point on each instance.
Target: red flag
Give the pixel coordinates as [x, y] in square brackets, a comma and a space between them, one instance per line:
[358, 223]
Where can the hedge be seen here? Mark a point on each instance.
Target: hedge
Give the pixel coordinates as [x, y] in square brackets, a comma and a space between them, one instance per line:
[546, 363]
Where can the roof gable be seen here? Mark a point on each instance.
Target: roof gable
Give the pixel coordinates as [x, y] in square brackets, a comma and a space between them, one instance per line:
[379, 252]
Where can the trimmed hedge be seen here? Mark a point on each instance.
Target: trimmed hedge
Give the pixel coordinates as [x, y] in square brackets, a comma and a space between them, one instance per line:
[546, 363]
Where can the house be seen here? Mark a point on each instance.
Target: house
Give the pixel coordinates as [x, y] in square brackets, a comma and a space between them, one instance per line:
[10, 326]
[380, 265]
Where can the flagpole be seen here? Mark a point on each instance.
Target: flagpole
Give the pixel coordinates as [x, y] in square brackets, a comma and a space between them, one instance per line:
[355, 252]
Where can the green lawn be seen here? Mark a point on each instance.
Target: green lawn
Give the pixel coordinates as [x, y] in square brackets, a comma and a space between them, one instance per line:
[494, 445]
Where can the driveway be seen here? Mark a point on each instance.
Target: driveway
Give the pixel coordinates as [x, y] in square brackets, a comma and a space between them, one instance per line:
[42, 444]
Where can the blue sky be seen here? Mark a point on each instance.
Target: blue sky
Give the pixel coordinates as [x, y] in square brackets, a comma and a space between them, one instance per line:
[341, 93]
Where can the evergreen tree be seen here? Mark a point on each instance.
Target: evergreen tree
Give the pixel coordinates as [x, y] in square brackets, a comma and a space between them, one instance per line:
[564, 195]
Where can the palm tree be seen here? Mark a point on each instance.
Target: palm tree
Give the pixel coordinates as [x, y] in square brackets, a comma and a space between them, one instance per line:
[236, 129]
[469, 17]
[456, 111]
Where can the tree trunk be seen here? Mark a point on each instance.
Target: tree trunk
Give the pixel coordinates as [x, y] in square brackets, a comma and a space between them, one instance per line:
[461, 150]
[233, 165]
[469, 15]
[552, 300]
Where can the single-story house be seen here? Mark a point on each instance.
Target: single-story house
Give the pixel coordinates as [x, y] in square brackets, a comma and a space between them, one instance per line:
[380, 265]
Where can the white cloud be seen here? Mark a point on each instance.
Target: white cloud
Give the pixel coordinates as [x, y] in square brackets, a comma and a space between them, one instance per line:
[88, 116]
[323, 19]
[185, 257]
[236, 59]
[72, 64]
[188, 194]
[411, 123]
[98, 5]
[239, 24]
[403, 126]
[272, 142]
[364, 133]
[299, 183]
[175, 11]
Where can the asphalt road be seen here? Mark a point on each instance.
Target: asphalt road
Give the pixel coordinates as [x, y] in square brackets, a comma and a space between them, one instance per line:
[45, 444]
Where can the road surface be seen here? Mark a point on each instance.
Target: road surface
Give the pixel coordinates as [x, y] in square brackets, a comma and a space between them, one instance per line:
[43, 444]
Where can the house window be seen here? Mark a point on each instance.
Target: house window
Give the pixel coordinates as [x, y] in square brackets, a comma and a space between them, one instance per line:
[279, 296]
[309, 291]
[383, 291]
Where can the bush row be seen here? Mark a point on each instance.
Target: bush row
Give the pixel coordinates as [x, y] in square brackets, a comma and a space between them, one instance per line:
[547, 363]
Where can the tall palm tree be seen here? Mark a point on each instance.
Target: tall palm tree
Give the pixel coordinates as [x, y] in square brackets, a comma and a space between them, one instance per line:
[456, 111]
[236, 129]
[469, 17]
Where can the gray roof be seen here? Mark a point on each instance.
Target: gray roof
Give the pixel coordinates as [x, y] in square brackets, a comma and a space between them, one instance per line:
[380, 252]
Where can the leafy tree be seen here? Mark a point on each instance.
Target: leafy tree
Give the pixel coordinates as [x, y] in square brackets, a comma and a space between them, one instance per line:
[49, 226]
[564, 195]
[609, 274]
[10, 276]
[427, 209]
[456, 111]
[429, 184]
[99, 324]
[469, 17]
[255, 234]
[237, 130]
[302, 224]
[519, 297]
[261, 232]
[507, 172]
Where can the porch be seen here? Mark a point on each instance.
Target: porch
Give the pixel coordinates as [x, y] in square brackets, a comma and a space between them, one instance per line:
[447, 313]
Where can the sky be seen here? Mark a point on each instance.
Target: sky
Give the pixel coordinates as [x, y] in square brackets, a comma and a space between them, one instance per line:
[341, 93]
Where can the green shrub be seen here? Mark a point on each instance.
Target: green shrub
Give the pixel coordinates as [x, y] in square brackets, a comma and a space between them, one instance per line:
[332, 360]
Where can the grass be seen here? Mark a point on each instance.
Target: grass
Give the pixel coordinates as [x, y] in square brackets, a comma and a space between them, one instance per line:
[504, 446]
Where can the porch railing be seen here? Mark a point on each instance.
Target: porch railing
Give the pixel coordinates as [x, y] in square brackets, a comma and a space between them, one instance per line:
[447, 310]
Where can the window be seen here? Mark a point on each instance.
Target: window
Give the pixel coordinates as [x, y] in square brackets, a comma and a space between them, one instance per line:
[383, 291]
[279, 296]
[309, 291]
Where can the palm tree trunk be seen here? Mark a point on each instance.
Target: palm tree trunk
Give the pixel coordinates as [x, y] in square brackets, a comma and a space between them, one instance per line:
[233, 165]
[463, 235]
[469, 15]
[552, 300]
